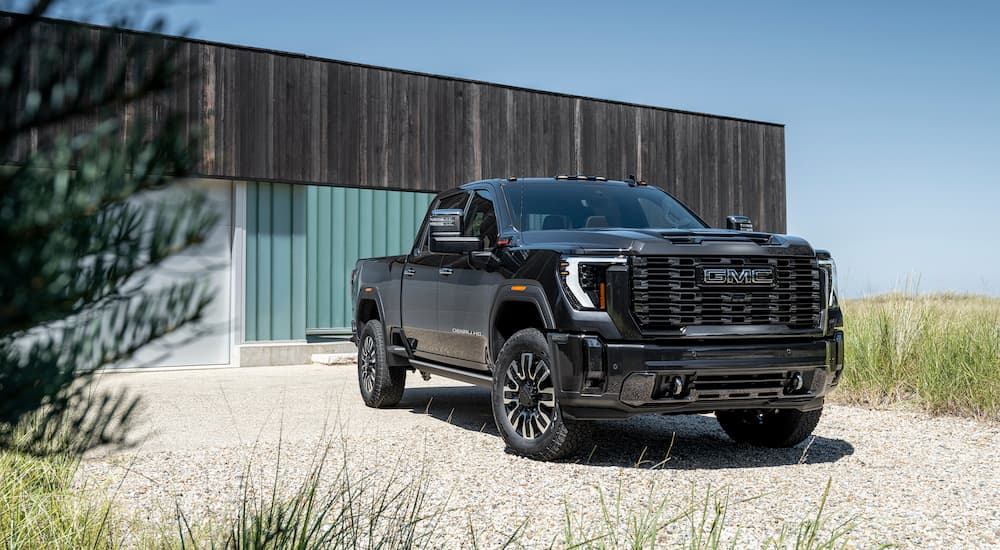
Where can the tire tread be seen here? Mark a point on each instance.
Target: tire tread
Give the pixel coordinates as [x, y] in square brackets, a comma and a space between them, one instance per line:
[786, 429]
[390, 382]
[567, 436]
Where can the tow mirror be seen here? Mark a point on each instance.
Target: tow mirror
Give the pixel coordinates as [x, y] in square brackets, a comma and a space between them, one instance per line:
[446, 233]
[739, 223]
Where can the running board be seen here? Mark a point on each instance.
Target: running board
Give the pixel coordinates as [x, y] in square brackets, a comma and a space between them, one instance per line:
[462, 375]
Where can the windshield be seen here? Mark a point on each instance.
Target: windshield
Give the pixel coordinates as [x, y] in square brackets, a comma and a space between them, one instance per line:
[547, 206]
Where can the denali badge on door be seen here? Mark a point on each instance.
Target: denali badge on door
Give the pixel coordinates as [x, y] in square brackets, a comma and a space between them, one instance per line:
[761, 276]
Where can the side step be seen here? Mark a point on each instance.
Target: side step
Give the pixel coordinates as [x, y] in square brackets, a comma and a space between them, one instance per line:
[469, 377]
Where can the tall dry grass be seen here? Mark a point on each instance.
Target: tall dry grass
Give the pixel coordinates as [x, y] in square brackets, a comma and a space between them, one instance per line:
[41, 508]
[940, 352]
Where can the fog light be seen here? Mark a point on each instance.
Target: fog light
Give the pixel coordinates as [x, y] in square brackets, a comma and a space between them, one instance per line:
[794, 383]
[676, 386]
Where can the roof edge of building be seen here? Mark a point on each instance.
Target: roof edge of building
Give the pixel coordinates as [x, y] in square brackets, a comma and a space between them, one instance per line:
[295, 55]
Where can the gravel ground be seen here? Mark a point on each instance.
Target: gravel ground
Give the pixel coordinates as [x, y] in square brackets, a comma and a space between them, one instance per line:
[900, 477]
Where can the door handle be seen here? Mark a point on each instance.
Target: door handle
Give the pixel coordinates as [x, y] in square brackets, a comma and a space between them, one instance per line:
[446, 271]
[409, 272]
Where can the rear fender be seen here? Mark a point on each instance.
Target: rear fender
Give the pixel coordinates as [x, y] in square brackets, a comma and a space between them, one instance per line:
[368, 294]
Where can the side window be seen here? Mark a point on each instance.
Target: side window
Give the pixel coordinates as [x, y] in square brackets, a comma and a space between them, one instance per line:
[481, 220]
[452, 201]
[456, 200]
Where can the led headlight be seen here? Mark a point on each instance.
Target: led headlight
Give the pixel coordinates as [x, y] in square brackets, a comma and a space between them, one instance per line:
[584, 279]
[829, 268]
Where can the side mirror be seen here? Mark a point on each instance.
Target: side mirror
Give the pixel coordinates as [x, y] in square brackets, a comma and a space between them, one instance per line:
[446, 233]
[739, 223]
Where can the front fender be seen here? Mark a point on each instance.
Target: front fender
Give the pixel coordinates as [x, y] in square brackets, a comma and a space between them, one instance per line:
[524, 291]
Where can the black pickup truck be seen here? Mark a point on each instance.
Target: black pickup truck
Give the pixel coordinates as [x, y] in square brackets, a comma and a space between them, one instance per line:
[577, 299]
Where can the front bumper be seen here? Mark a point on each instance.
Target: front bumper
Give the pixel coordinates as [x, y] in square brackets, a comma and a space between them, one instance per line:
[599, 379]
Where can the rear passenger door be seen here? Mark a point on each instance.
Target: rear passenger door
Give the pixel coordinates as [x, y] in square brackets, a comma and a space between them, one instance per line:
[467, 285]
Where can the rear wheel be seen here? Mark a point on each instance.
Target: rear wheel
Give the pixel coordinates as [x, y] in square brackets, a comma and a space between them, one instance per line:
[525, 407]
[769, 427]
[381, 385]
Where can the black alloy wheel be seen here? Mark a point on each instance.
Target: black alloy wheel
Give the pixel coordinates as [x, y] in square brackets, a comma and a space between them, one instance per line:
[528, 396]
[526, 404]
[367, 363]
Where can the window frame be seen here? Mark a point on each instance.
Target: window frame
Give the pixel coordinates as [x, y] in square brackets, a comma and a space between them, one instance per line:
[420, 247]
[489, 196]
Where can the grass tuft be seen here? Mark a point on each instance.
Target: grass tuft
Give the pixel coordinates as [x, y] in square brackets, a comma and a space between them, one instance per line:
[41, 508]
[329, 508]
[938, 351]
[700, 523]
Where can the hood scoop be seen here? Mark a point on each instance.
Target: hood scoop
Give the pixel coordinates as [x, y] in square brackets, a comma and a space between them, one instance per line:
[695, 238]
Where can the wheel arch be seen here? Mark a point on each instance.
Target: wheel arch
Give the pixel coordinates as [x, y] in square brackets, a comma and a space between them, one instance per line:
[517, 306]
[369, 306]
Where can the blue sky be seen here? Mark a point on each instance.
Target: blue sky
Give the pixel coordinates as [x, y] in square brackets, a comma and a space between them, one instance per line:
[892, 110]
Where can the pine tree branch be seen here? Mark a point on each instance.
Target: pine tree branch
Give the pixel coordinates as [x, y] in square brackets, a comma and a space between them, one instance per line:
[37, 10]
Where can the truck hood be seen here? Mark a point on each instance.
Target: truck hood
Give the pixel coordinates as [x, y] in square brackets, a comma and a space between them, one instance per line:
[666, 242]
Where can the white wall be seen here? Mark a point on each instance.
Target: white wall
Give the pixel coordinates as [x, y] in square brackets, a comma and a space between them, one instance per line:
[210, 342]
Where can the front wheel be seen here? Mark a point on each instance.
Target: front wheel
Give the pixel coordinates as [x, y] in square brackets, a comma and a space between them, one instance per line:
[524, 401]
[769, 427]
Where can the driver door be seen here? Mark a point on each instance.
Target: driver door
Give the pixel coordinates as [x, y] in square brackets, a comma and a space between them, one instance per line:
[467, 285]
[419, 300]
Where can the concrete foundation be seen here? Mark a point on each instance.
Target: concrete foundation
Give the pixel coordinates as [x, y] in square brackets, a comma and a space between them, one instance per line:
[290, 353]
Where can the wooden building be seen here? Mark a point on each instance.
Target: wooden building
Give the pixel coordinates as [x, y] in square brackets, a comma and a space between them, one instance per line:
[317, 162]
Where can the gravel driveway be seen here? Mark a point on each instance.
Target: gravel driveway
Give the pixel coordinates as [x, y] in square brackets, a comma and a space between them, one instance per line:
[903, 477]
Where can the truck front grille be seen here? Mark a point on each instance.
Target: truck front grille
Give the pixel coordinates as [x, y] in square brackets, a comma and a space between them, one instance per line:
[672, 292]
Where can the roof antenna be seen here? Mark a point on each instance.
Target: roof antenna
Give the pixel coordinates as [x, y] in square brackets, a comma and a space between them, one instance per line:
[631, 180]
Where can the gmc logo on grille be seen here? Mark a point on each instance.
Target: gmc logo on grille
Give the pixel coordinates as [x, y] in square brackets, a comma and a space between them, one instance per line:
[732, 276]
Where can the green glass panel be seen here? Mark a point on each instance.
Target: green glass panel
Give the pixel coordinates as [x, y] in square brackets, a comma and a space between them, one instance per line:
[367, 223]
[303, 242]
[313, 222]
[300, 263]
[265, 203]
[250, 302]
[282, 271]
[275, 305]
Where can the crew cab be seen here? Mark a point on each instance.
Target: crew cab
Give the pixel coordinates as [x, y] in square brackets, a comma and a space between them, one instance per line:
[576, 299]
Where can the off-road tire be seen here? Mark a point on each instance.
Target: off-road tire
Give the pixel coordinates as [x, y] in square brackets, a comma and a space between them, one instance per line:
[775, 428]
[385, 386]
[561, 437]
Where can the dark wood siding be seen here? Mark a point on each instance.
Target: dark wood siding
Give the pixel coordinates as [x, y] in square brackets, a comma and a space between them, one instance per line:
[290, 118]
